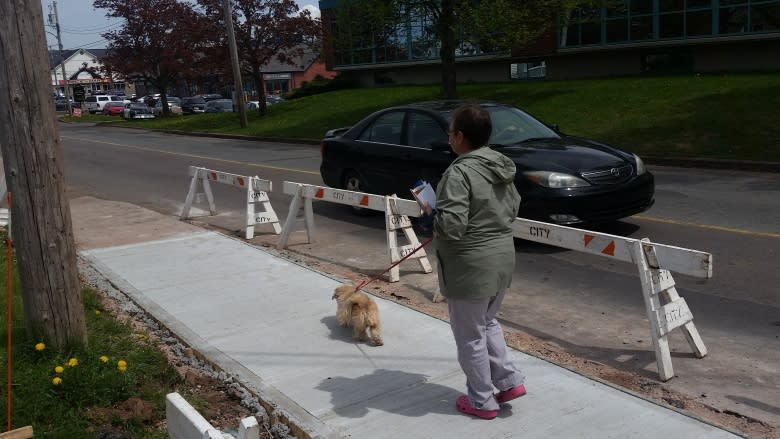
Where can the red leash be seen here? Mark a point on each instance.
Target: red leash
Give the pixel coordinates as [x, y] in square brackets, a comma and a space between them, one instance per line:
[364, 283]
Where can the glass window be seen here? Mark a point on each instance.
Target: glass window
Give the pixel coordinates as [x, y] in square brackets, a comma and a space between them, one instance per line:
[698, 23]
[692, 4]
[641, 28]
[671, 5]
[671, 25]
[765, 17]
[733, 20]
[617, 30]
[641, 7]
[385, 129]
[528, 70]
[424, 131]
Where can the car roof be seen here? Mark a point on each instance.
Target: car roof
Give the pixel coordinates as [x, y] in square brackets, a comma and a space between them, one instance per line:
[447, 105]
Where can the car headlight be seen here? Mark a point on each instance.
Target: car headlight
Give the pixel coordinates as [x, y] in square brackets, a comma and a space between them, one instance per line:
[555, 179]
[640, 165]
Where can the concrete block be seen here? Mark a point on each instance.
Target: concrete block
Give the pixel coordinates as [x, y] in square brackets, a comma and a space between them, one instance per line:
[249, 428]
[184, 422]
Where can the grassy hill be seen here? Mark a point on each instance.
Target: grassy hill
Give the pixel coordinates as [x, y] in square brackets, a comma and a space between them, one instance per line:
[726, 116]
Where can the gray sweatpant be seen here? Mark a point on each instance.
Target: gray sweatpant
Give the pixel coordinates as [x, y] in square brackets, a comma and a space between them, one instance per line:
[482, 350]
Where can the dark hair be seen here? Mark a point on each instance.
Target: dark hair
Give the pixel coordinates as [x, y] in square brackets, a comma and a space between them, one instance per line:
[474, 122]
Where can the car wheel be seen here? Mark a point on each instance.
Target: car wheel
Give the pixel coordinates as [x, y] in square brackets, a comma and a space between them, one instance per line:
[354, 182]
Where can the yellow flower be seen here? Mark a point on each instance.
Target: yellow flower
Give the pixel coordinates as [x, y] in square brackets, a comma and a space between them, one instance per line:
[73, 362]
[59, 369]
[103, 359]
[40, 347]
[142, 336]
[121, 364]
[97, 312]
[56, 381]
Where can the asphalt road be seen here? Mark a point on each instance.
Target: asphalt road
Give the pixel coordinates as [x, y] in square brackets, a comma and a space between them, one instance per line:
[586, 304]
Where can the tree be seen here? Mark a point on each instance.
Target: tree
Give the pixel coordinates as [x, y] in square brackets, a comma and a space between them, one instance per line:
[496, 25]
[42, 229]
[267, 29]
[158, 43]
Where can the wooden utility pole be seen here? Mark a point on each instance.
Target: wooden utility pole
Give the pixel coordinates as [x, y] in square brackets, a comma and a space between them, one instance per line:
[238, 85]
[29, 139]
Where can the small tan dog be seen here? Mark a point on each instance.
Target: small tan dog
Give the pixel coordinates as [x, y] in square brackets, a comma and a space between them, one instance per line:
[356, 309]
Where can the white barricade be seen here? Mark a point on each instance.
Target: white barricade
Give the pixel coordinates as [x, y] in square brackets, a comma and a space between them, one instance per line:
[666, 310]
[397, 213]
[256, 194]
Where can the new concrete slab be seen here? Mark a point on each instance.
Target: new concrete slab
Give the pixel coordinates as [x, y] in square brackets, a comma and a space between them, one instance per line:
[276, 320]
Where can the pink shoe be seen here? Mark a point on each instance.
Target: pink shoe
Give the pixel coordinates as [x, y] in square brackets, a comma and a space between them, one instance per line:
[464, 406]
[508, 395]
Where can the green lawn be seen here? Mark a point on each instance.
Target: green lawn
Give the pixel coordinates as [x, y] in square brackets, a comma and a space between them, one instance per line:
[71, 393]
[727, 116]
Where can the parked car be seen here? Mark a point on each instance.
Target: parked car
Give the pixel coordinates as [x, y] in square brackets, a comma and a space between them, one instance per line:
[174, 106]
[269, 100]
[137, 110]
[273, 99]
[562, 179]
[211, 97]
[219, 106]
[113, 108]
[61, 104]
[193, 104]
[95, 103]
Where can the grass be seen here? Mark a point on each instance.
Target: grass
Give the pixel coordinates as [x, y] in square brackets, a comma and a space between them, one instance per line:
[71, 409]
[724, 116]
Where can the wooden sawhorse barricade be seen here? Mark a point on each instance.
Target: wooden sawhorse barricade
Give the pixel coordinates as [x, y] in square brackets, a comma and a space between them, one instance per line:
[397, 213]
[666, 310]
[256, 194]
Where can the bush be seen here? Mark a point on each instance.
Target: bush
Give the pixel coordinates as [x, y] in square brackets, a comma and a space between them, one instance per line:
[319, 85]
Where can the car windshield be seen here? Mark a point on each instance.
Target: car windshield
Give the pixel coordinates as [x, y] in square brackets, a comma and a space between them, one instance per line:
[512, 126]
[196, 101]
[138, 106]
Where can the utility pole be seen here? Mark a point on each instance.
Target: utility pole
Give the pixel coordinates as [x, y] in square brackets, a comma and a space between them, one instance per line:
[239, 87]
[32, 159]
[56, 24]
[56, 81]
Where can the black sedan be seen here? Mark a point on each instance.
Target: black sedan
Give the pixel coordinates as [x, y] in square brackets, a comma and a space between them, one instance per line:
[562, 179]
[137, 110]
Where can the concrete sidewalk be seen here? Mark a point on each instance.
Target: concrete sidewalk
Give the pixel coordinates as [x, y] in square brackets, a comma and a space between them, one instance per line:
[271, 323]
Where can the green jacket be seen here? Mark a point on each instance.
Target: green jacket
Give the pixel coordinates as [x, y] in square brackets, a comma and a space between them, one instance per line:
[476, 202]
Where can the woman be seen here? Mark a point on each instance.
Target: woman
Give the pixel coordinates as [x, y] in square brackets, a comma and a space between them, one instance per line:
[475, 206]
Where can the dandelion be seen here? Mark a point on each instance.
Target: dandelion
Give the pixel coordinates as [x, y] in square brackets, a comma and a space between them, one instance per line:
[40, 346]
[56, 381]
[59, 369]
[103, 359]
[97, 312]
[73, 362]
[122, 369]
[142, 336]
[121, 363]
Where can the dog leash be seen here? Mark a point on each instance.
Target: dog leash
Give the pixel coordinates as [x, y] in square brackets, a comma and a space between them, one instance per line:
[364, 283]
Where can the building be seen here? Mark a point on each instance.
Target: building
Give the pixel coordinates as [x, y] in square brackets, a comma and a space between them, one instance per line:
[628, 37]
[282, 77]
[84, 69]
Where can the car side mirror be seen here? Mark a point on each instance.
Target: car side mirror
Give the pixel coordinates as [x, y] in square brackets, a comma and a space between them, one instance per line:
[556, 128]
[440, 146]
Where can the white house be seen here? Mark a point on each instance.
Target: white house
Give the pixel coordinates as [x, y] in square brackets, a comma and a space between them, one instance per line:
[83, 68]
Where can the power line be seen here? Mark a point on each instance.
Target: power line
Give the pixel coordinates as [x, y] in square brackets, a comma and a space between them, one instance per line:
[92, 29]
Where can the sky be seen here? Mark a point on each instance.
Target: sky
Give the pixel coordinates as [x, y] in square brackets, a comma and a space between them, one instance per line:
[81, 24]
